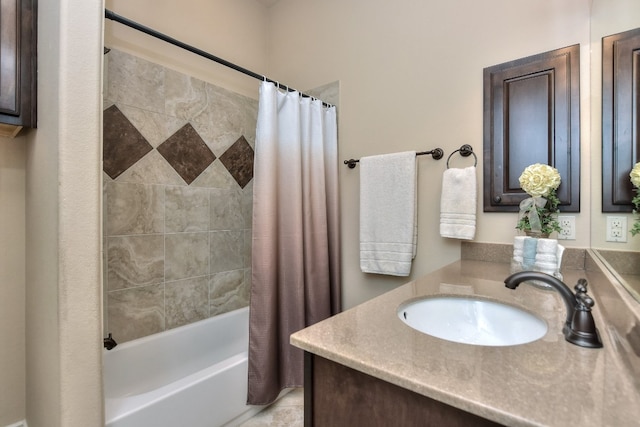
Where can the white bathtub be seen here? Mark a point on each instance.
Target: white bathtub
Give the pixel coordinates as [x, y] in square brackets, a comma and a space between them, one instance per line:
[194, 375]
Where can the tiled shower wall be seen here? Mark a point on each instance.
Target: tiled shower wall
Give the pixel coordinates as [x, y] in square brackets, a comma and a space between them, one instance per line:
[178, 167]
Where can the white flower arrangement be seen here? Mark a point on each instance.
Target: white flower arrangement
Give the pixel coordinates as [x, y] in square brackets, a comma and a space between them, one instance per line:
[539, 180]
[635, 180]
[538, 213]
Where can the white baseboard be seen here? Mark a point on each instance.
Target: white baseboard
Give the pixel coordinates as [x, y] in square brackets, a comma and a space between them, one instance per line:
[22, 423]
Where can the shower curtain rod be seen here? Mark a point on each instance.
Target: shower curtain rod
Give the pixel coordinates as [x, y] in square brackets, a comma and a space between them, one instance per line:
[129, 23]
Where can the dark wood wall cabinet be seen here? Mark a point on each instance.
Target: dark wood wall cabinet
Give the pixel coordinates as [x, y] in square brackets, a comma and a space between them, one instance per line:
[336, 395]
[532, 115]
[620, 107]
[18, 65]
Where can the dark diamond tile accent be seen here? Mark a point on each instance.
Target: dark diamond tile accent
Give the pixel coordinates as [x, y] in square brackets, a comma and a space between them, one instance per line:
[238, 160]
[187, 153]
[122, 144]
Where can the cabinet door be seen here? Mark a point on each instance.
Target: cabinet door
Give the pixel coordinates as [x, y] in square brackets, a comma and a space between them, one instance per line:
[17, 63]
[620, 102]
[532, 115]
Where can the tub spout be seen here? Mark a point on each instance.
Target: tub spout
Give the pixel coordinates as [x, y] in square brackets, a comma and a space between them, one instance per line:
[109, 342]
[579, 327]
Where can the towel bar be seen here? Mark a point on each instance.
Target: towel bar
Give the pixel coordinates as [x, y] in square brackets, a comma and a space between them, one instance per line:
[436, 153]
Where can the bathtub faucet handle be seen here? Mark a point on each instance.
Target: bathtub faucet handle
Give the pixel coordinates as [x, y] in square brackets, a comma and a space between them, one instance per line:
[109, 342]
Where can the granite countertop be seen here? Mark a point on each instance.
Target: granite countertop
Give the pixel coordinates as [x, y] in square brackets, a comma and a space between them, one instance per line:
[548, 382]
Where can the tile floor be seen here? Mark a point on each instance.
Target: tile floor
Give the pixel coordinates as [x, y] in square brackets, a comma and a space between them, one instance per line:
[286, 412]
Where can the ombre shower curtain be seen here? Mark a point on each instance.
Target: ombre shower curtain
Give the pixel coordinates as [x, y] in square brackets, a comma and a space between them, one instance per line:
[295, 245]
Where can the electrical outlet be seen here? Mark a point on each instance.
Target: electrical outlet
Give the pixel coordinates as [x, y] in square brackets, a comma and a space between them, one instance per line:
[568, 225]
[616, 228]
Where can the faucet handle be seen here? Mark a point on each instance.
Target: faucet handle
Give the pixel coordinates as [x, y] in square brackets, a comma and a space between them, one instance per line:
[585, 302]
[581, 286]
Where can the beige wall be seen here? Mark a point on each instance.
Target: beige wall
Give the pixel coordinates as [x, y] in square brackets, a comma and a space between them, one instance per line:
[63, 337]
[12, 280]
[411, 79]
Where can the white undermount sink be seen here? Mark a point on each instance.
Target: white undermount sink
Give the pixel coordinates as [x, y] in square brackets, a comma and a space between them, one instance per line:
[471, 320]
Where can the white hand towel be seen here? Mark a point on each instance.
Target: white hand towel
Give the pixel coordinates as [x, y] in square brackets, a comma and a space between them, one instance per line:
[518, 248]
[546, 253]
[458, 203]
[388, 229]
[559, 260]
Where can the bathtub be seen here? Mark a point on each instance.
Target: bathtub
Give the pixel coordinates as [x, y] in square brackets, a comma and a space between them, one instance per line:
[194, 375]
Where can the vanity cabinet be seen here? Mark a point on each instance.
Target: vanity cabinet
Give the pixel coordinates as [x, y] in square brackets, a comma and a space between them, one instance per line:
[18, 65]
[532, 115]
[336, 395]
[620, 101]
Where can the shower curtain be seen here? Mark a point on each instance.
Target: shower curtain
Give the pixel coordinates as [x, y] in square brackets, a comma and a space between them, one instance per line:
[295, 244]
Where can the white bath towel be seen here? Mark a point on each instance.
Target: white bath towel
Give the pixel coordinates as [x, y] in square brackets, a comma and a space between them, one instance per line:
[458, 203]
[388, 229]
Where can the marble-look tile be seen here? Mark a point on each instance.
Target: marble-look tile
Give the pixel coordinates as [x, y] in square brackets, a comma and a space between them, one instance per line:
[186, 209]
[496, 252]
[105, 76]
[134, 209]
[106, 178]
[238, 159]
[186, 255]
[150, 198]
[226, 209]
[247, 205]
[624, 262]
[186, 96]
[134, 261]
[248, 278]
[155, 127]
[248, 241]
[186, 301]
[123, 144]
[215, 176]
[227, 117]
[106, 103]
[104, 204]
[294, 398]
[573, 258]
[136, 312]
[227, 291]
[227, 248]
[135, 81]
[329, 93]
[288, 411]
[152, 169]
[105, 287]
[187, 153]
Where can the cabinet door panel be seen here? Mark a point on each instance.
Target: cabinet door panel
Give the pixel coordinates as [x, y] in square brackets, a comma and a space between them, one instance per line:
[620, 107]
[531, 115]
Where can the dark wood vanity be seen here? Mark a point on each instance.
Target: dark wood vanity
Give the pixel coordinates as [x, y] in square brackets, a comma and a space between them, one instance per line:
[336, 395]
[365, 367]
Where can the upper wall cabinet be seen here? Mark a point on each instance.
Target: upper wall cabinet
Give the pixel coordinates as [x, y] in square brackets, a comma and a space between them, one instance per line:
[620, 109]
[532, 115]
[18, 65]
